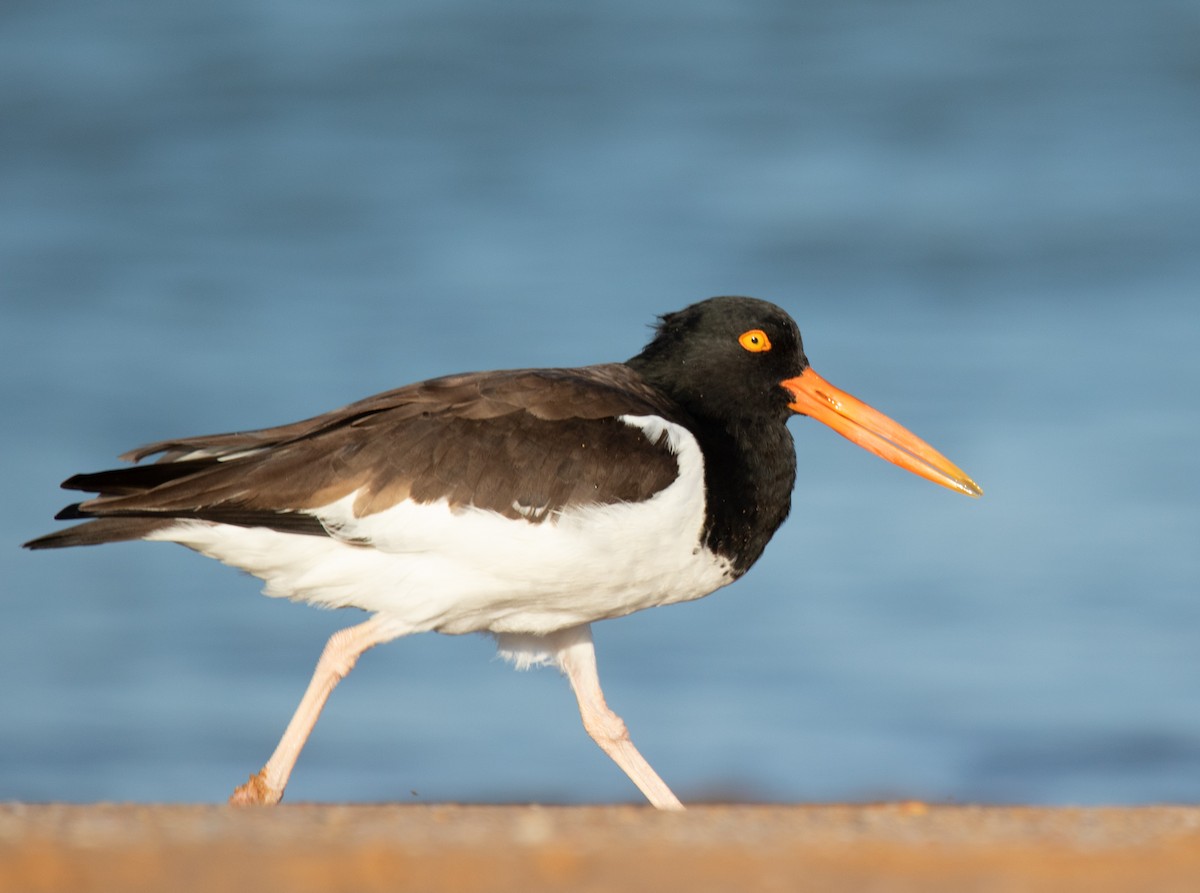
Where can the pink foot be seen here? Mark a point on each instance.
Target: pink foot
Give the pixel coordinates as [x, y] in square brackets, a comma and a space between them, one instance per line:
[255, 792]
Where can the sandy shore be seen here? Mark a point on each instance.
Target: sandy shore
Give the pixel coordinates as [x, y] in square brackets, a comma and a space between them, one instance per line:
[905, 846]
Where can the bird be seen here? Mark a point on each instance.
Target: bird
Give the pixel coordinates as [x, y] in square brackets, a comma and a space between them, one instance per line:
[526, 504]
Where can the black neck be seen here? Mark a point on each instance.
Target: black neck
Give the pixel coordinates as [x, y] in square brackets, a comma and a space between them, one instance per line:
[749, 475]
[749, 459]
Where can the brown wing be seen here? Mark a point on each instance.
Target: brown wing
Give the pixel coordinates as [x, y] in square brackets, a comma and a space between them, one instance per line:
[525, 443]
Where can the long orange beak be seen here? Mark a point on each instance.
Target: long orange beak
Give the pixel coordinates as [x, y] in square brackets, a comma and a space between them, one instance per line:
[872, 430]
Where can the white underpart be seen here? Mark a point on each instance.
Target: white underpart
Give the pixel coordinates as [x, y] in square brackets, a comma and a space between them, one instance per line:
[431, 567]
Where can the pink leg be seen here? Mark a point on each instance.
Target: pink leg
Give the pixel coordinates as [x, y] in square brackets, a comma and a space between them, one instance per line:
[341, 653]
[577, 658]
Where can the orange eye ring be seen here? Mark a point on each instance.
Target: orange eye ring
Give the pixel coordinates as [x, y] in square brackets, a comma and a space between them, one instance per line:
[755, 341]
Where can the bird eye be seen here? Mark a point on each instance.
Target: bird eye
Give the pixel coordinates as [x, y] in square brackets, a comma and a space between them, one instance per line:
[755, 341]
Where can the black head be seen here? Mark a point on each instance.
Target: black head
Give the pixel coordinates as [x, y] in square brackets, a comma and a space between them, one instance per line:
[725, 358]
[738, 362]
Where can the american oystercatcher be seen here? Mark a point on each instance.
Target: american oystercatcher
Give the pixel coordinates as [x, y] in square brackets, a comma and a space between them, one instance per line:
[526, 504]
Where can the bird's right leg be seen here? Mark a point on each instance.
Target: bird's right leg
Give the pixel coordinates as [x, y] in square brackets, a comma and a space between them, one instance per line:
[577, 658]
[341, 653]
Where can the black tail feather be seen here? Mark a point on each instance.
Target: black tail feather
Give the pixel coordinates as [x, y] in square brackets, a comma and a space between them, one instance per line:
[103, 530]
[132, 525]
[71, 513]
[136, 478]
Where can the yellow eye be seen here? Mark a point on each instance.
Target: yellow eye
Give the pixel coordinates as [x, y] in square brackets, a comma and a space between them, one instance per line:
[755, 340]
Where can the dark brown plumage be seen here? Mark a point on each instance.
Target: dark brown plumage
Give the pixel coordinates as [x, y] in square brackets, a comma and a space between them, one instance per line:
[522, 443]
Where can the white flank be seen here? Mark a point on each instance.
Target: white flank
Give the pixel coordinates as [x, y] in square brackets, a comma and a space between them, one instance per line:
[431, 567]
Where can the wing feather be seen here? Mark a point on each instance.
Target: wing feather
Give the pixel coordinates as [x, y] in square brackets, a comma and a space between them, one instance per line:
[525, 444]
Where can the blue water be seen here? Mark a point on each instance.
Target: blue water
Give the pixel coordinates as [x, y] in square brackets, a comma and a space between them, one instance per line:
[985, 218]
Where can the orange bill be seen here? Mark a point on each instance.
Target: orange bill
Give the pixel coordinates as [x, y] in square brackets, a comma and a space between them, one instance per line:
[872, 430]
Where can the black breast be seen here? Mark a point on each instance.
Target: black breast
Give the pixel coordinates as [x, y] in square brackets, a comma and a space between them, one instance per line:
[749, 475]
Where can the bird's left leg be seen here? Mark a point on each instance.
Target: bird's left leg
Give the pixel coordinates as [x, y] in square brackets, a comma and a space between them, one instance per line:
[577, 659]
[341, 653]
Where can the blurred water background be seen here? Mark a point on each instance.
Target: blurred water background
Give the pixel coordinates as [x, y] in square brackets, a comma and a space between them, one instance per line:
[986, 219]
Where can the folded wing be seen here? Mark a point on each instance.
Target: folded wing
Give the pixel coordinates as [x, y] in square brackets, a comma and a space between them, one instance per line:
[525, 444]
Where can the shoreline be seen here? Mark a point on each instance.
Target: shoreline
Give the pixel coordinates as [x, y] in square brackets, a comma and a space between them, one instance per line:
[888, 846]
